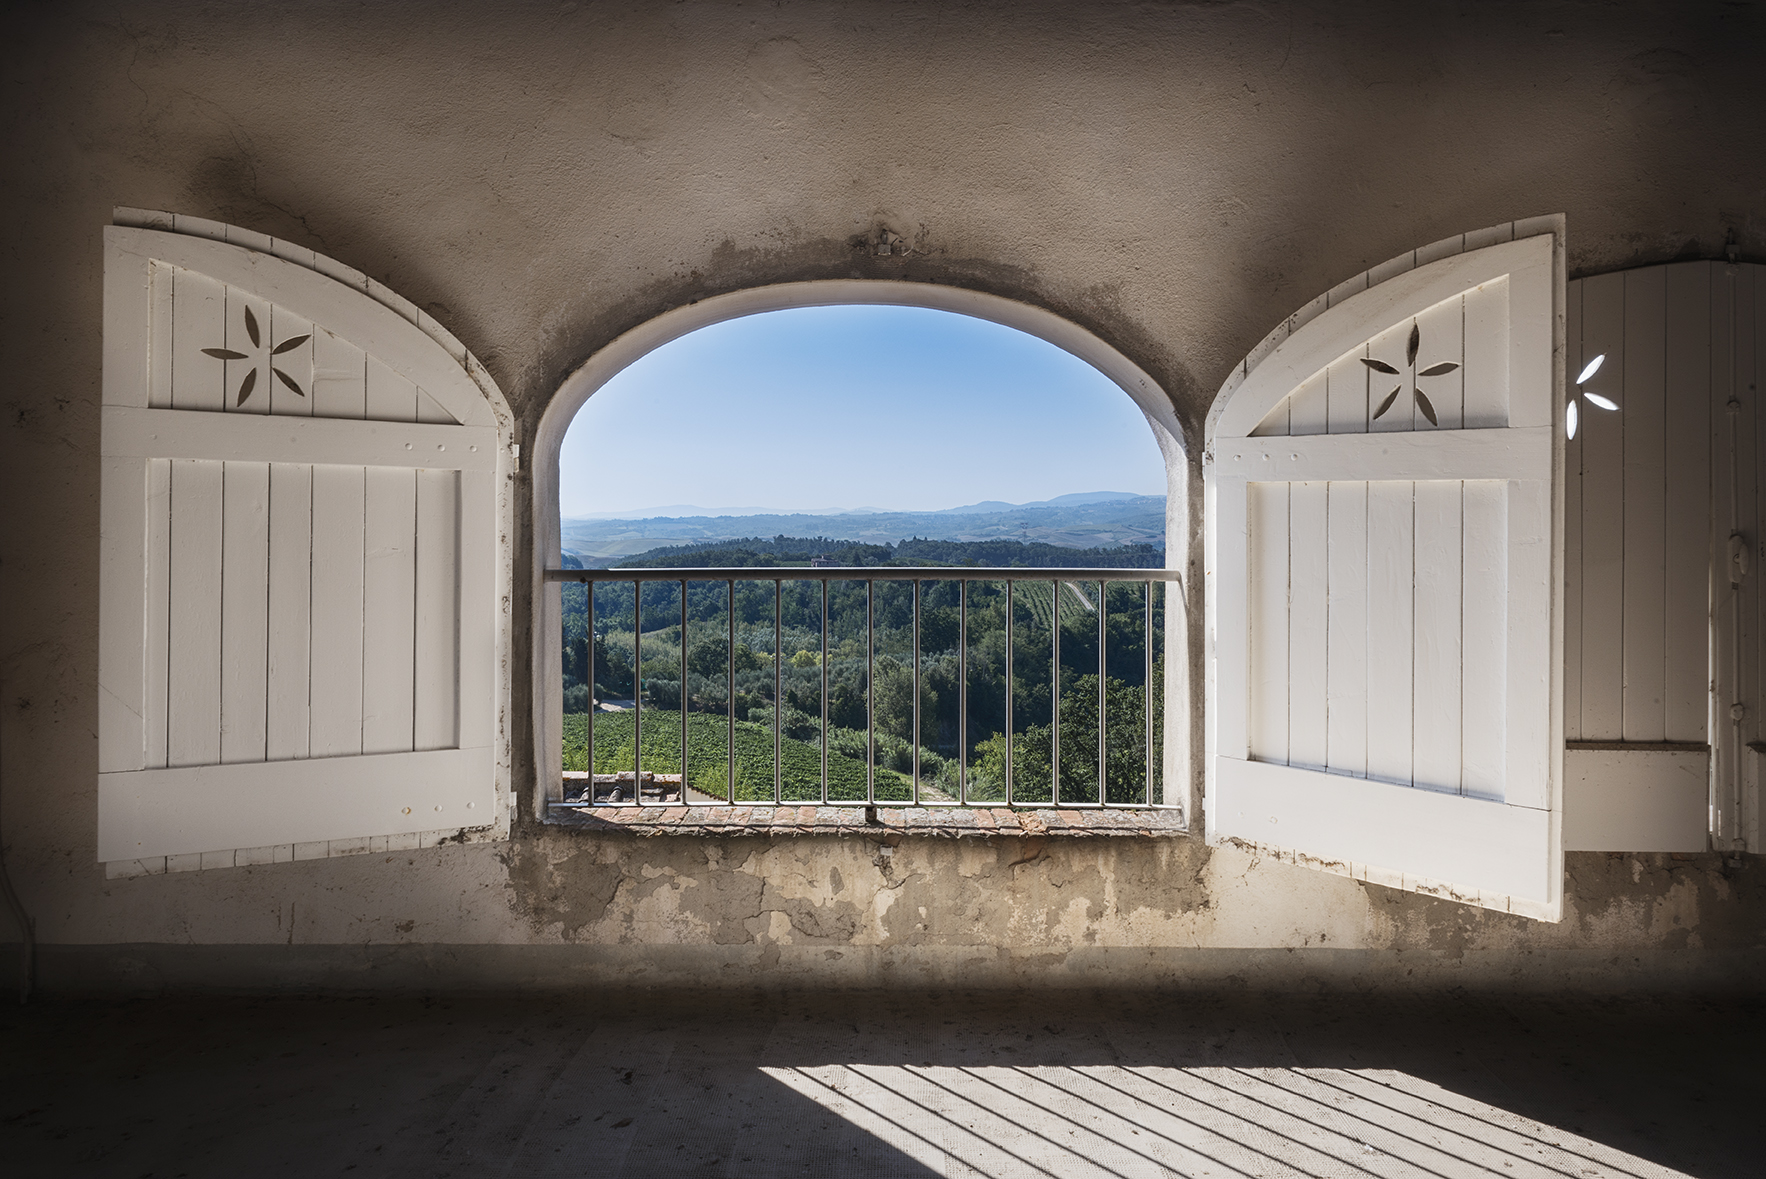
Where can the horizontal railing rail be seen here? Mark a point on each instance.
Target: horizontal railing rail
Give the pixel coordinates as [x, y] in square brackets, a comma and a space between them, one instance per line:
[588, 788]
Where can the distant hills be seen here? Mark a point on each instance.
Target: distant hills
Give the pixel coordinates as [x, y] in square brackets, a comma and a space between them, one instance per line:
[694, 511]
[787, 551]
[1082, 520]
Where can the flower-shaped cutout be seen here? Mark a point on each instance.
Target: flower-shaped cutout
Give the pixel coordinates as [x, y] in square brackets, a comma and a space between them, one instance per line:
[1410, 353]
[251, 376]
[1571, 416]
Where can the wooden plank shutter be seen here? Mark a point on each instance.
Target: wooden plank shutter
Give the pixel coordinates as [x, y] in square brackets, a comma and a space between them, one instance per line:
[1383, 491]
[298, 568]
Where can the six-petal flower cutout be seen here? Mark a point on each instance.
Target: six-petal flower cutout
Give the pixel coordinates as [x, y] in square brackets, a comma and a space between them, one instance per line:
[251, 376]
[1421, 398]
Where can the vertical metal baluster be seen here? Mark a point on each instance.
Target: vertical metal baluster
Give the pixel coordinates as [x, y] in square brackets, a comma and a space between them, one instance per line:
[870, 694]
[915, 735]
[1055, 694]
[778, 704]
[963, 692]
[730, 695]
[1009, 585]
[638, 693]
[1148, 693]
[1103, 594]
[589, 586]
[683, 692]
[824, 691]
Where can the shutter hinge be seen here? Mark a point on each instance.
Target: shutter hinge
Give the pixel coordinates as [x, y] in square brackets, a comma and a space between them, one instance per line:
[515, 453]
[1738, 558]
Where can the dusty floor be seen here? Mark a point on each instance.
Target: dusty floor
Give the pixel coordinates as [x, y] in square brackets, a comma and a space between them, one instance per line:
[708, 1084]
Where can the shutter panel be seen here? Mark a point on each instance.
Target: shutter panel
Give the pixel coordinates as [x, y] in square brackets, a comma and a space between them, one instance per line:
[1383, 489]
[299, 560]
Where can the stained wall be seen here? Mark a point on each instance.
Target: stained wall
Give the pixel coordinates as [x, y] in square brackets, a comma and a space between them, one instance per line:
[540, 177]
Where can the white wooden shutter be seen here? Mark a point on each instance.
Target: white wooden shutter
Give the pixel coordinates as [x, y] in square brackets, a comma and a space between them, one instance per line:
[1382, 587]
[298, 624]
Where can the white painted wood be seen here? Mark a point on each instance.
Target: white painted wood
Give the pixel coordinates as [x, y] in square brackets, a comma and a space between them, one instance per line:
[245, 600]
[1323, 340]
[1603, 520]
[199, 227]
[379, 330]
[279, 572]
[157, 597]
[1658, 532]
[143, 433]
[339, 517]
[1484, 602]
[186, 810]
[159, 344]
[1226, 541]
[389, 578]
[483, 612]
[193, 704]
[255, 368]
[290, 619]
[1437, 638]
[296, 364]
[1308, 624]
[1687, 555]
[1636, 800]
[1644, 424]
[1408, 456]
[1268, 615]
[122, 617]
[1391, 701]
[435, 706]
[1532, 755]
[1346, 576]
[389, 603]
[1347, 627]
[199, 320]
[1420, 590]
[340, 377]
[1485, 380]
[1308, 590]
[1482, 850]
[1573, 364]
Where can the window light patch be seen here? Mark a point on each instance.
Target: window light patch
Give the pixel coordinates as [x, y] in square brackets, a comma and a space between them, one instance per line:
[1592, 367]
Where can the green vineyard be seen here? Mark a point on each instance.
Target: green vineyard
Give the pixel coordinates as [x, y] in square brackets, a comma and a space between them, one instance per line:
[708, 757]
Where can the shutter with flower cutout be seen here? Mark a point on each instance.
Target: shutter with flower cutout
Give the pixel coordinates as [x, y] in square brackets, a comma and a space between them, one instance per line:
[1383, 545]
[297, 632]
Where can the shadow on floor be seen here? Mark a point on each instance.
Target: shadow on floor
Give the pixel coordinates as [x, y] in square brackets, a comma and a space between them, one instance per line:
[884, 1085]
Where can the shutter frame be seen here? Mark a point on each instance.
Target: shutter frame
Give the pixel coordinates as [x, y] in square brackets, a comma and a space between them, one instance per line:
[1504, 854]
[149, 809]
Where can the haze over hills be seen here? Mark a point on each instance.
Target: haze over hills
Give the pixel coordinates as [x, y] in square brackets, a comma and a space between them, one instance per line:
[1081, 520]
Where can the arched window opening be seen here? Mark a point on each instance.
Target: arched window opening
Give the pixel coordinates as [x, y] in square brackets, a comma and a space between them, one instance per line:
[765, 582]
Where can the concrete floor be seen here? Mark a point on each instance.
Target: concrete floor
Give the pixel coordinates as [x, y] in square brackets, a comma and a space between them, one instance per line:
[867, 1085]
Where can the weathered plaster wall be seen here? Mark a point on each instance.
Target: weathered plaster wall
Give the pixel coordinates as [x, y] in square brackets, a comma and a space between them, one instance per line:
[542, 176]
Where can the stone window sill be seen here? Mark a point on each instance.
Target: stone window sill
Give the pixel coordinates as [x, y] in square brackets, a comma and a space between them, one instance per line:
[889, 823]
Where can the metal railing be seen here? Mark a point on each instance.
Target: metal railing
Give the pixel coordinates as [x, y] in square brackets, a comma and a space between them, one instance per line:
[654, 789]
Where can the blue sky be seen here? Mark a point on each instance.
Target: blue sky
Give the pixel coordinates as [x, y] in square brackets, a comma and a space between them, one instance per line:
[849, 407]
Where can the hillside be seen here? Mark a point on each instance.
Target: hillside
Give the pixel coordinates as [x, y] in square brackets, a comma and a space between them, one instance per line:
[1071, 523]
[754, 552]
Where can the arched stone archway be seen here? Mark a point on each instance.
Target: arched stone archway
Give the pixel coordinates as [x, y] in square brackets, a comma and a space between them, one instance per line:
[584, 381]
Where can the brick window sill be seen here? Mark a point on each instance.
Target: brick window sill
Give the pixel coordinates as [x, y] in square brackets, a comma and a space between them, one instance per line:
[896, 822]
